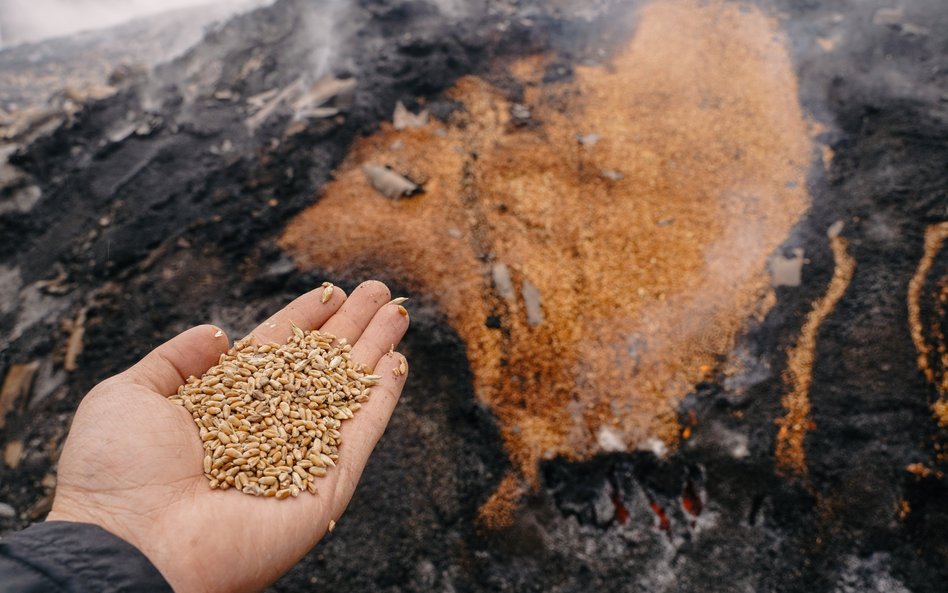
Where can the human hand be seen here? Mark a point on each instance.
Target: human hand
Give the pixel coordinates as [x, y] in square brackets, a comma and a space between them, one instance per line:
[133, 461]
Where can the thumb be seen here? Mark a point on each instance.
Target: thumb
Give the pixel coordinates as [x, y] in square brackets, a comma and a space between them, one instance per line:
[189, 353]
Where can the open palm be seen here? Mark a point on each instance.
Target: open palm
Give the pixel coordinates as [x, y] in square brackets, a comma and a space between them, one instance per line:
[133, 461]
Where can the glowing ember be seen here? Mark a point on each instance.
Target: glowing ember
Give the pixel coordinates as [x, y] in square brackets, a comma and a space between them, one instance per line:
[621, 511]
[592, 280]
[663, 523]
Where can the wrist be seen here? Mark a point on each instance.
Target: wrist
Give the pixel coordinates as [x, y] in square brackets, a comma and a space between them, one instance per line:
[130, 528]
[84, 556]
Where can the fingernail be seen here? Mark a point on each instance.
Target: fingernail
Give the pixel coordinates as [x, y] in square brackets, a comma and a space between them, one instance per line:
[398, 301]
[403, 311]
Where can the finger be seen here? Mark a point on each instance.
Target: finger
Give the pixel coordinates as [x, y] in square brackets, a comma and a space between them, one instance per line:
[359, 437]
[363, 431]
[307, 312]
[383, 333]
[189, 353]
[358, 310]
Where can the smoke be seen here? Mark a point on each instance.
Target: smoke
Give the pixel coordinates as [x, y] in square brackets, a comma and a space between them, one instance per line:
[23, 21]
[328, 26]
[331, 25]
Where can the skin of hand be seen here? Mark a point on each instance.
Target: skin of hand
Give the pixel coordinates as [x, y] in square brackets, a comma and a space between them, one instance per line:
[133, 462]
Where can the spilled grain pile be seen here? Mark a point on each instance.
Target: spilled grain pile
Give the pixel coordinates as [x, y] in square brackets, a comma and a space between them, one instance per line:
[600, 242]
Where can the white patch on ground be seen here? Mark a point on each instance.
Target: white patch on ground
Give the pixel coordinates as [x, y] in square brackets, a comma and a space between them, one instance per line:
[609, 440]
[739, 449]
[656, 446]
[868, 575]
[35, 306]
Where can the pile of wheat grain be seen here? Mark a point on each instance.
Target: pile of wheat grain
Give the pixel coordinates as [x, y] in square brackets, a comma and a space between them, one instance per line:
[269, 415]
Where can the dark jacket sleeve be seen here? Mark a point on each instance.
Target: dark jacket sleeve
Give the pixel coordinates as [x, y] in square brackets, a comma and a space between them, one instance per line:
[62, 557]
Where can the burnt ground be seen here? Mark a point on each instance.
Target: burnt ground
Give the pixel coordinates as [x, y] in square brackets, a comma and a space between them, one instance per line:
[173, 224]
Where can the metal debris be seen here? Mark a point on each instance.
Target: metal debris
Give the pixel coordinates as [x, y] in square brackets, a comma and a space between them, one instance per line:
[531, 302]
[611, 174]
[16, 385]
[403, 119]
[787, 271]
[389, 183]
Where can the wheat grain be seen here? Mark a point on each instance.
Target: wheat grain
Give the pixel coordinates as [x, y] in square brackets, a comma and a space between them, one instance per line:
[327, 291]
[268, 415]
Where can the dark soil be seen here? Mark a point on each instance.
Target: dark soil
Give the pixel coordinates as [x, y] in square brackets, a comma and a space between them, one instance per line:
[157, 232]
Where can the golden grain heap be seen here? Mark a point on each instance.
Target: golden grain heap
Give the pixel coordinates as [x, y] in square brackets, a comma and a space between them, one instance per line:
[269, 415]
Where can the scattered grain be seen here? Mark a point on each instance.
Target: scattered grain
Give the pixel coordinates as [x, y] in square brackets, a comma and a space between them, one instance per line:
[790, 446]
[401, 369]
[327, 291]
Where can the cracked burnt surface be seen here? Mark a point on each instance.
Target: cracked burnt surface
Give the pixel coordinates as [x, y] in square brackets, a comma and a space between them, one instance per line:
[172, 224]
